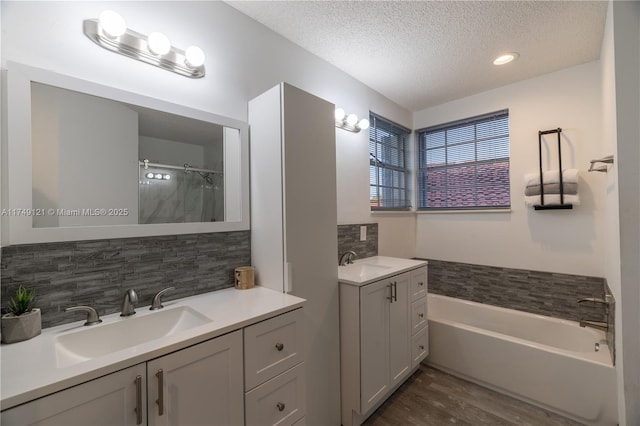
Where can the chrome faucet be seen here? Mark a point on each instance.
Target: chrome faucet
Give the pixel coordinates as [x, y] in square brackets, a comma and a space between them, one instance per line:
[600, 325]
[157, 299]
[93, 317]
[347, 258]
[130, 297]
[594, 300]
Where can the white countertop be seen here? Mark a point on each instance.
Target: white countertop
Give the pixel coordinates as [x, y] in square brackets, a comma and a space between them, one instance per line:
[370, 269]
[29, 369]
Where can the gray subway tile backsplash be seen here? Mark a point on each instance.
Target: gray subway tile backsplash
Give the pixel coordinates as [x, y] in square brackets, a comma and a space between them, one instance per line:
[97, 273]
[537, 292]
[349, 239]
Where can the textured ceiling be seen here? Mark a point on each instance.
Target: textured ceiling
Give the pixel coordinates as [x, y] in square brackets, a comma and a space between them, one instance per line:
[423, 53]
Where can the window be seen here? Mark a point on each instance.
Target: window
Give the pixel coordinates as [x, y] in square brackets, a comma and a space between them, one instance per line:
[465, 164]
[388, 165]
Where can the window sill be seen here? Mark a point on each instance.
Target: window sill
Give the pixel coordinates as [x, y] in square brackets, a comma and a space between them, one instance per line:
[463, 211]
[391, 212]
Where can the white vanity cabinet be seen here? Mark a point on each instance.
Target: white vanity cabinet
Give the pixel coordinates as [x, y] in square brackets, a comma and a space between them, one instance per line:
[383, 331]
[200, 385]
[194, 386]
[275, 376]
[116, 399]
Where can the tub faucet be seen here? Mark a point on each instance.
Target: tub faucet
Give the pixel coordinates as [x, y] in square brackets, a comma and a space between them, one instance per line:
[595, 300]
[600, 325]
[130, 297]
[347, 258]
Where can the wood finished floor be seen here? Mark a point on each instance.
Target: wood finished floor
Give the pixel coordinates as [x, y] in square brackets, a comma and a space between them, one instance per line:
[431, 397]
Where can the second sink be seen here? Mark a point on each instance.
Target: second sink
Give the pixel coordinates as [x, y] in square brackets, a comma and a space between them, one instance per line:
[96, 341]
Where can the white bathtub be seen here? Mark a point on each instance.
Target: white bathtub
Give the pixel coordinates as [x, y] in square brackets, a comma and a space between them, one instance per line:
[546, 361]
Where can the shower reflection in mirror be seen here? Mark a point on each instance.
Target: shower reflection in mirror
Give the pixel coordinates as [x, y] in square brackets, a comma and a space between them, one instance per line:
[173, 194]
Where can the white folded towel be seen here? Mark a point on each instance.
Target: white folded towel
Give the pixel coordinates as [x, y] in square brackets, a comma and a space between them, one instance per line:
[551, 199]
[551, 176]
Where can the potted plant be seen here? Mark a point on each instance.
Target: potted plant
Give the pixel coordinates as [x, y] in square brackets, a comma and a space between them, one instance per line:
[23, 320]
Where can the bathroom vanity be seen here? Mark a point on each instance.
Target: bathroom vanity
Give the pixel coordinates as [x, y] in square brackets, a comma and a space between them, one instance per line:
[231, 357]
[383, 330]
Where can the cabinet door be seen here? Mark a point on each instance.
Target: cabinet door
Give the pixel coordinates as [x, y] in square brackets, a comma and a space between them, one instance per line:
[115, 399]
[399, 330]
[200, 385]
[374, 343]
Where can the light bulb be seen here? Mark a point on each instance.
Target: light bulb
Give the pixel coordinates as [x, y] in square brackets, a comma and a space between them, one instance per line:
[352, 119]
[149, 175]
[363, 124]
[158, 176]
[112, 24]
[194, 56]
[167, 177]
[339, 114]
[158, 43]
[506, 58]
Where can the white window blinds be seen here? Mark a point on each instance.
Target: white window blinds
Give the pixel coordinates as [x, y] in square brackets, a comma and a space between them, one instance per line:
[465, 164]
[388, 165]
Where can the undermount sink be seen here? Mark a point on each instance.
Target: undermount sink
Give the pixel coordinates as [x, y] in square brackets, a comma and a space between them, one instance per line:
[96, 341]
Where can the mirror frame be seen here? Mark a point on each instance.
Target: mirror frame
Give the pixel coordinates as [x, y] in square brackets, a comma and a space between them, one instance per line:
[17, 187]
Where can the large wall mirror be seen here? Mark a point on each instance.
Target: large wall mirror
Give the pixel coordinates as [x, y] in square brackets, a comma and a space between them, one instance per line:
[85, 161]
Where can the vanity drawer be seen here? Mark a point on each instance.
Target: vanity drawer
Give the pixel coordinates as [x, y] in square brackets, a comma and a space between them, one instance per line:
[280, 401]
[273, 346]
[419, 346]
[418, 283]
[418, 315]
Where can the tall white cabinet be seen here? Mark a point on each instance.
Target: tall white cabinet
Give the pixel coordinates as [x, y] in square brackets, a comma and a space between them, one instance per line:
[294, 227]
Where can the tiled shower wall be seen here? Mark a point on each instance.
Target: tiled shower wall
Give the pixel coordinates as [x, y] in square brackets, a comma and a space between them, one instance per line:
[543, 293]
[97, 273]
[349, 239]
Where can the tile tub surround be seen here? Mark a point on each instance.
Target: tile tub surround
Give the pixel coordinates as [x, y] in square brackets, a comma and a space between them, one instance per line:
[349, 239]
[537, 292]
[97, 273]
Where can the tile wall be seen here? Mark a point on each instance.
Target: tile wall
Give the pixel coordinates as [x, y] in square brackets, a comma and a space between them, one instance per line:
[97, 273]
[543, 293]
[349, 239]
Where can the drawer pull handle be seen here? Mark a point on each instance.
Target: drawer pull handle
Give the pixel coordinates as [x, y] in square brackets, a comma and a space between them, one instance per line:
[421, 347]
[138, 409]
[280, 406]
[421, 315]
[279, 347]
[421, 283]
[160, 400]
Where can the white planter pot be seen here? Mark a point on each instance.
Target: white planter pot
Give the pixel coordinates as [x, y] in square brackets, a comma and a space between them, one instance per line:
[23, 327]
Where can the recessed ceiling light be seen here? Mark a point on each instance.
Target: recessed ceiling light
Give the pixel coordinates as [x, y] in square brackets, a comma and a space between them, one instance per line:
[505, 58]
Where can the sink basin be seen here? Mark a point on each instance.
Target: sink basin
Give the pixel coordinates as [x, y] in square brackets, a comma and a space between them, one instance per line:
[96, 341]
[366, 269]
[370, 269]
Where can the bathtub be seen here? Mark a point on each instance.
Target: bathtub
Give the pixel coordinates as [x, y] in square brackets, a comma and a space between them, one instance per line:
[549, 362]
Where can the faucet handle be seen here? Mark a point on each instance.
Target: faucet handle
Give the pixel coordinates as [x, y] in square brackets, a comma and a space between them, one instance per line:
[157, 299]
[93, 317]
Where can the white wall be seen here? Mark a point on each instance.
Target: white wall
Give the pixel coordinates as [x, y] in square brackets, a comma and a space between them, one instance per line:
[626, 35]
[567, 241]
[243, 60]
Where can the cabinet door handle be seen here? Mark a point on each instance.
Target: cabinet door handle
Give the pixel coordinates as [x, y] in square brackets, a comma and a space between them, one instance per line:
[280, 406]
[160, 400]
[279, 346]
[395, 291]
[390, 297]
[138, 410]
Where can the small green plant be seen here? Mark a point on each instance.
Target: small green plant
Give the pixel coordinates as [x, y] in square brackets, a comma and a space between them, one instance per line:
[22, 302]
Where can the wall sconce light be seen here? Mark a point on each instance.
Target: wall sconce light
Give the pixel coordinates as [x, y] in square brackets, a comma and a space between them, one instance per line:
[110, 31]
[350, 122]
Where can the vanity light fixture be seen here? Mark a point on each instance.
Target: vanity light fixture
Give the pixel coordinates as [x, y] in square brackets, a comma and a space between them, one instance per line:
[505, 58]
[350, 122]
[110, 31]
